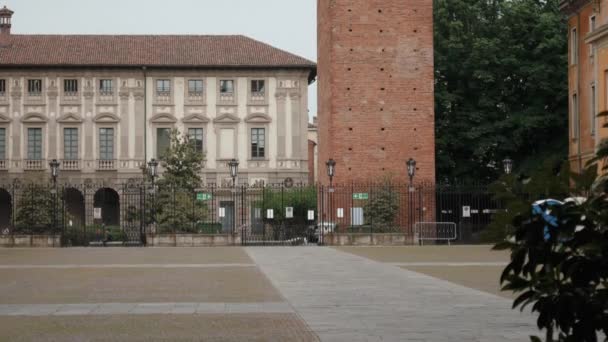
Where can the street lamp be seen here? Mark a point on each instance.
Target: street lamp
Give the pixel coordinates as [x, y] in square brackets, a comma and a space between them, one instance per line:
[507, 163]
[234, 169]
[331, 170]
[153, 169]
[54, 164]
[411, 169]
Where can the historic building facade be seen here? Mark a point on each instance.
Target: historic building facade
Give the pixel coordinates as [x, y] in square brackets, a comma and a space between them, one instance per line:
[587, 77]
[376, 102]
[105, 105]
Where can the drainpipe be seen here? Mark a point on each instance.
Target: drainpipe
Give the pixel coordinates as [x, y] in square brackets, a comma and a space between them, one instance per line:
[143, 68]
[578, 88]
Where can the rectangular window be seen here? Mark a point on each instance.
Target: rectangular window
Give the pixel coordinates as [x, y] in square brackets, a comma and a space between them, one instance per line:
[70, 86]
[70, 143]
[2, 143]
[226, 86]
[34, 143]
[106, 87]
[195, 135]
[592, 110]
[163, 87]
[592, 23]
[258, 87]
[575, 122]
[106, 143]
[573, 47]
[195, 87]
[163, 141]
[258, 142]
[2, 87]
[34, 87]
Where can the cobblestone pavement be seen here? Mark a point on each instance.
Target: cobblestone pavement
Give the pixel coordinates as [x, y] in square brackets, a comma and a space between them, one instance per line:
[344, 297]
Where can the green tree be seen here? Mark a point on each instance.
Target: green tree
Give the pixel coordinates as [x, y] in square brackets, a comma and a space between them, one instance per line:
[382, 208]
[500, 85]
[176, 207]
[559, 258]
[301, 199]
[37, 209]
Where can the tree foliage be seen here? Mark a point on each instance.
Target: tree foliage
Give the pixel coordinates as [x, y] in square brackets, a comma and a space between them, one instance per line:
[559, 258]
[38, 210]
[176, 207]
[500, 85]
[382, 208]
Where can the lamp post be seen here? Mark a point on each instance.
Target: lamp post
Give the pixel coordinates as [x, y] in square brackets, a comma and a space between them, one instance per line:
[331, 170]
[153, 173]
[233, 165]
[411, 170]
[507, 164]
[54, 164]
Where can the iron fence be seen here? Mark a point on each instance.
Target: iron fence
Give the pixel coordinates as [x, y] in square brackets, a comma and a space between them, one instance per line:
[102, 214]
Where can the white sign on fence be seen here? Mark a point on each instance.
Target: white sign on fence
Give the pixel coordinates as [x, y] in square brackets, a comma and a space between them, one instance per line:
[270, 213]
[311, 215]
[340, 212]
[222, 212]
[288, 212]
[97, 213]
[466, 211]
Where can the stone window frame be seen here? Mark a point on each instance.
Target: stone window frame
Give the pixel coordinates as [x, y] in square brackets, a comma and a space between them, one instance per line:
[574, 41]
[158, 126]
[187, 127]
[168, 98]
[250, 100]
[217, 127]
[187, 99]
[61, 151]
[250, 128]
[98, 128]
[235, 93]
[6, 141]
[43, 135]
[575, 117]
[4, 86]
[109, 97]
[76, 97]
[40, 97]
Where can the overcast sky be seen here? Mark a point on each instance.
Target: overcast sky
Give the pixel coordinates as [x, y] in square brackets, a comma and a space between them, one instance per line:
[286, 24]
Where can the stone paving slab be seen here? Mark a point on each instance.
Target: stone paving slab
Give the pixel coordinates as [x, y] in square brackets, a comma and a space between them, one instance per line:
[127, 285]
[426, 254]
[97, 309]
[204, 327]
[344, 297]
[122, 255]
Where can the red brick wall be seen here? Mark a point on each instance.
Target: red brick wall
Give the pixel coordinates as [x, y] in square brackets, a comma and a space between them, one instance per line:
[375, 66]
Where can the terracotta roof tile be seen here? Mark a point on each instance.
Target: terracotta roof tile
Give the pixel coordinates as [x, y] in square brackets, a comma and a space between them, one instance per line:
[148, 50]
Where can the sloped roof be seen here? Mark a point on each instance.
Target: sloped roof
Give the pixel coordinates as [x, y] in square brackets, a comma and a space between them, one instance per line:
[146, 50]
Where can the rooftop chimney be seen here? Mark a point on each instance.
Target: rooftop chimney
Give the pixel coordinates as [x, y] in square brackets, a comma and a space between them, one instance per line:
[5, 24]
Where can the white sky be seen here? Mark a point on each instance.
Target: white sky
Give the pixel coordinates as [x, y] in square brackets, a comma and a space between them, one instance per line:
[287, 24]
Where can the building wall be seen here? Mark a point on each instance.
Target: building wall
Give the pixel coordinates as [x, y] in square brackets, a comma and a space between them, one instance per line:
[376, 109]
[135, 111]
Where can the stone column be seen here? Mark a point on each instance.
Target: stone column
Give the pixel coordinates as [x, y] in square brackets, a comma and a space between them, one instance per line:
[281, 108]
[88, 127]
[16, 134]
[52, 107]
[124, 114]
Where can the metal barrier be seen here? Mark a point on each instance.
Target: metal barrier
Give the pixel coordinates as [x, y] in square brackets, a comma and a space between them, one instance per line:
[437, 231]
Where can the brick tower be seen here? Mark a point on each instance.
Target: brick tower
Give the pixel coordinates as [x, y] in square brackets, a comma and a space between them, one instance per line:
[376, 110]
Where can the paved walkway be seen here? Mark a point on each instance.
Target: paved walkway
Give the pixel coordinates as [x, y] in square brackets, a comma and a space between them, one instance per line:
[344, 297]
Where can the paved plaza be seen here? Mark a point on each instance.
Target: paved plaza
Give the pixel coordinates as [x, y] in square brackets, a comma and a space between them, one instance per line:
[430, 293]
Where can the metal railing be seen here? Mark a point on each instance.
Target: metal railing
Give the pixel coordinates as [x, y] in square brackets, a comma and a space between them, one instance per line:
[435, 231]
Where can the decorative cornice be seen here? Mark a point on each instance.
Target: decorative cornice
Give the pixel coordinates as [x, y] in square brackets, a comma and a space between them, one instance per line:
[227, 119]
[4, 119]
[70, 118]
[195, 119]
[597, 34]
[34, 118]
[106, 118]
[258, 118]
[163, 118]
